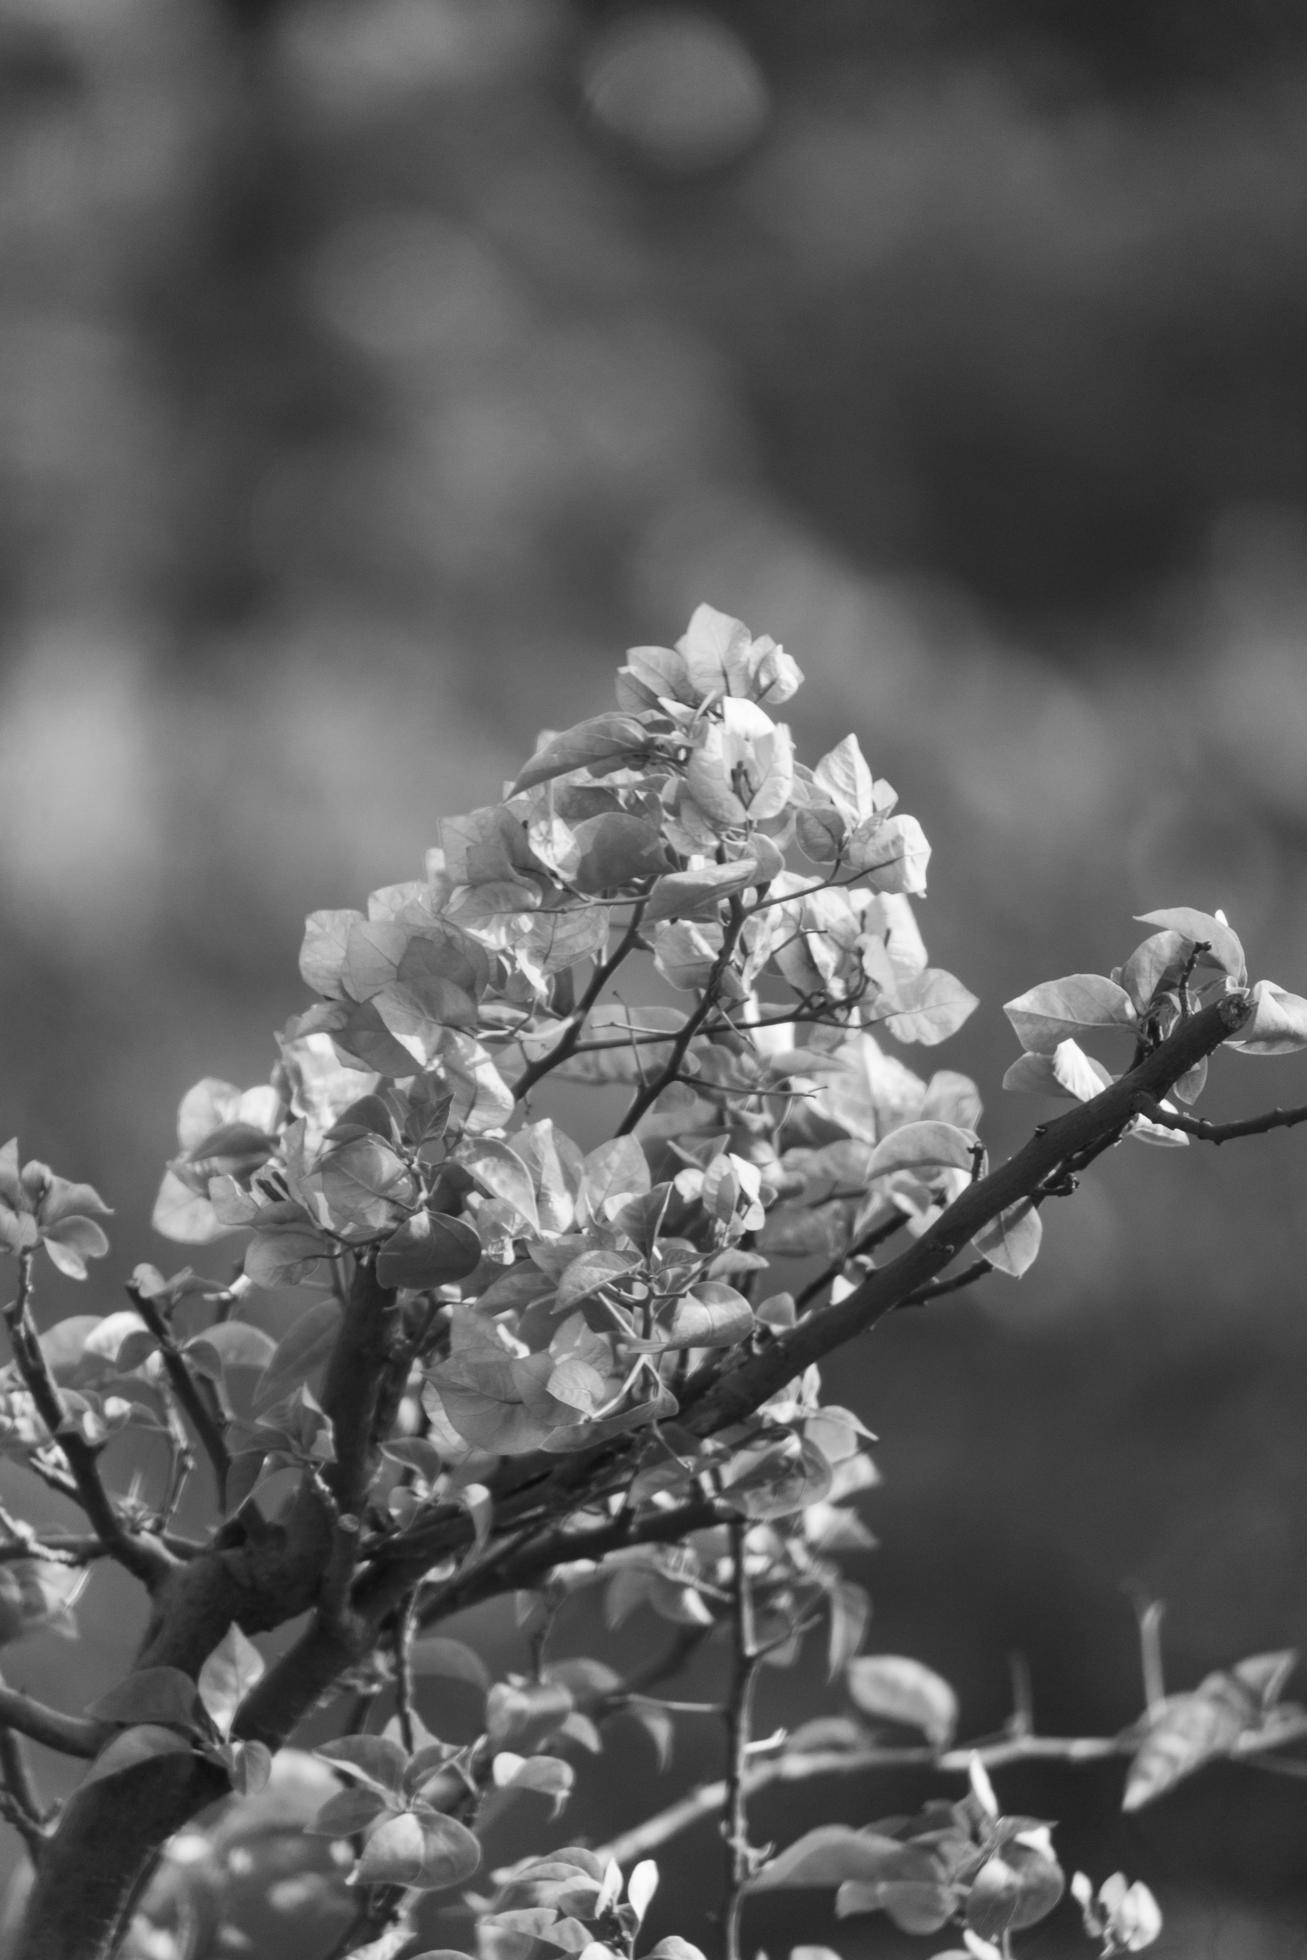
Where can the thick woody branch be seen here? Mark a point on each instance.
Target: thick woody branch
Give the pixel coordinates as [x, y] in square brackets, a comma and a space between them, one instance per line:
[72, 1735]
[714, 1399]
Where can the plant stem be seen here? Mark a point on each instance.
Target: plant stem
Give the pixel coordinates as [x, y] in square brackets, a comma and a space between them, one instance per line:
[739, 1720]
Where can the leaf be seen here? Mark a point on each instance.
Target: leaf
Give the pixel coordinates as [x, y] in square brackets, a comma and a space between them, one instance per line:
[1011, 1241]
[1046, 1015]
[428, 1249]
[323, 952]
[377, 1760]
[938, 1006]
[641, 1886]
[500, 1171]
[615, 850]
[612, 1171]
[1199, 928]
[1187, 1731]
[422, 1848]
[697, 894]
[844, 775]
[228, 1674]
[153, 1695]
[898, 1689]
[918, 1147]
[892, 852]
[1066, 1072]
[349, 1812]
[606, 740]
[302, 1348]
[133, 1746]
[671, 1947]
[713, 1314]
[591, 1272]
[833, 1854]
[73, 1241]
[1278, 1024]
[1016, 1887]
[436, 1653]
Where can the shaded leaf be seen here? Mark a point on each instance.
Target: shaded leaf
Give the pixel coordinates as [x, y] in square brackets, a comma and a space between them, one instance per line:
[898, 1689]
[1046, 1015]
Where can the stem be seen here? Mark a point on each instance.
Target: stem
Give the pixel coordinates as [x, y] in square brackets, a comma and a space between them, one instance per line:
[652, 1089]
[566, 1044]
[1198, 1126]
[739, 1720]
[195, 1397]
[144, 1557]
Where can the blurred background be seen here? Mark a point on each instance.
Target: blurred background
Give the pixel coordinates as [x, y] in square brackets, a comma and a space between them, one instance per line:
[372, 375]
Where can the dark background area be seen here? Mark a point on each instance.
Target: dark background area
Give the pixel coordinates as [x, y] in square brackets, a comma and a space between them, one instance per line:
[372, 375]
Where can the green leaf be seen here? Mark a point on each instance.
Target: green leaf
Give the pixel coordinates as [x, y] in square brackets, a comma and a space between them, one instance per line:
[916, 1905]
[227, 1676]
[304, 1347]
[712, 1314]
[1066, 1072]
[1046, 1015]
[422, 1848]
[348, 1813]
[833, 1854]
[934, 1007]
[1016, 1887]
[844, 775]
[1011, 1241]
[591, 1272]
[428, 1249]
[500, 1171]
[436, 1653]
[1278, 1025]
[324, 950]
[898, 1689]
[1186, 1732]
[1202, 928]
[697, 894]
[892, 852]
[923, 1147]
[615, 850]
[133, 1746]
[152, 1695]
[377, 1760]
[610, 1173]
[605, 741]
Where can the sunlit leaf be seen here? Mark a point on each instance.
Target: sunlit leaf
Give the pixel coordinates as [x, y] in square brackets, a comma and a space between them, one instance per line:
[897, 1689]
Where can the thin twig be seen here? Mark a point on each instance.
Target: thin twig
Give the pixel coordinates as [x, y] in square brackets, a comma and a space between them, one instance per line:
[567, 1042]
[193, 1394]
[707, 1004]
[1255, 1749]
[1206, 1132]
[405, 1620]
[967, 1277]
[145, 1557]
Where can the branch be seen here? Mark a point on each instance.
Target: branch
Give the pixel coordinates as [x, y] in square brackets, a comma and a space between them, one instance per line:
[1198, 1126]
[684, 1035]
[713, 1398]
[145, 1557]
[201, 1407]
[365, 1346]
[566, 1044]
[71, 1735]
[708, 1799]
[745, 1661]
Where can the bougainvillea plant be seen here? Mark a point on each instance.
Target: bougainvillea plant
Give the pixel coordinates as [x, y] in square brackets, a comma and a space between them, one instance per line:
[506, 1362]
